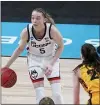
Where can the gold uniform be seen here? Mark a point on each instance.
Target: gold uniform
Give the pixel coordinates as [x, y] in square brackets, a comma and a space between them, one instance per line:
[90, 81]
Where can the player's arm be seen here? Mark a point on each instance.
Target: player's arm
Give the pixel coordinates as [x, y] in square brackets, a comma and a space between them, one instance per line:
[20, 48]
[76, 88]
[56, 36]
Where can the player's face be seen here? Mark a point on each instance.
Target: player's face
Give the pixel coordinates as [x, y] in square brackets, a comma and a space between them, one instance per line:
[37, 19]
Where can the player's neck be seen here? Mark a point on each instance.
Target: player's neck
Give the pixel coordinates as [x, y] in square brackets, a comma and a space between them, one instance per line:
[39, 30]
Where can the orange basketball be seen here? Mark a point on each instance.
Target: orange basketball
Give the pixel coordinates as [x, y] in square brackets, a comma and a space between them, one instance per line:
[8, 77]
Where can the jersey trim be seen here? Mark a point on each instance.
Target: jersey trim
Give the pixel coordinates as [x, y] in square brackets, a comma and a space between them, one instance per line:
[54, 78]
[49, 31]
[43, 34]
[28, 33]
[37, 80]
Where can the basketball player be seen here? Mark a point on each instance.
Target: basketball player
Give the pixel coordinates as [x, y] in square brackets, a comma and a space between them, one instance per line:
[44, 44]
[46, 101]
[88, 74]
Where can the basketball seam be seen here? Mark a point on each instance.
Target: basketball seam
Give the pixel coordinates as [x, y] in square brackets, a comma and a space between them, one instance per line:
[7, 80]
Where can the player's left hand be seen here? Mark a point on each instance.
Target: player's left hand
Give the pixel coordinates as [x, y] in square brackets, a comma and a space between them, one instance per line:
[48, 70]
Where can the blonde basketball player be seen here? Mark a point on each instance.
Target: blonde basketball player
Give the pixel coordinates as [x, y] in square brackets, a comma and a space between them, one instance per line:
[88, 74]
[44, 45]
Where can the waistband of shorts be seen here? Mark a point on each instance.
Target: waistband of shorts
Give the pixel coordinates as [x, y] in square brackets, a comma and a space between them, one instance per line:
[50, 55]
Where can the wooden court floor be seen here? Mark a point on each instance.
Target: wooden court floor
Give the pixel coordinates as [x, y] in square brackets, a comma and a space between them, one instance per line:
[23, 92]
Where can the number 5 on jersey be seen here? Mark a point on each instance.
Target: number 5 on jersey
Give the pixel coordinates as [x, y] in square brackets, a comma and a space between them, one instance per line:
[42, 50]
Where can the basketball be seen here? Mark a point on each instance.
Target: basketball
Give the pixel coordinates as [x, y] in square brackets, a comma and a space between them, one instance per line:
[8, 77]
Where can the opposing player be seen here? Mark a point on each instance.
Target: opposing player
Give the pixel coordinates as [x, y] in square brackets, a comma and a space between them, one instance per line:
[44, 45]
[88, 74]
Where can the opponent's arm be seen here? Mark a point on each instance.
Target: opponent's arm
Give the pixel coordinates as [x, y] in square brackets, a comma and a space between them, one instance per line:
[20, 48]
[76, 88]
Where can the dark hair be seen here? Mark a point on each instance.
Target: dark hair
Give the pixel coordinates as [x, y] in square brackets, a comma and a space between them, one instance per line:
[90, 56]
[46, 101]
[46, 15]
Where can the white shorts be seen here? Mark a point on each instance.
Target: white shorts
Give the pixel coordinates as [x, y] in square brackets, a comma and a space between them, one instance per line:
[36, 67]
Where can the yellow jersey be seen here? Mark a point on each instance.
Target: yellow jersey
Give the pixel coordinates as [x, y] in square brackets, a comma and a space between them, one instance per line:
[90, 81]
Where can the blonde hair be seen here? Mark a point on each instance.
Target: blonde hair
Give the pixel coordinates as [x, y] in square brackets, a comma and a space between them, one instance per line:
[49, 19]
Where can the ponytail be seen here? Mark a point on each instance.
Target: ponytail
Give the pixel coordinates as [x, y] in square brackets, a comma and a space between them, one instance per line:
[49, 19]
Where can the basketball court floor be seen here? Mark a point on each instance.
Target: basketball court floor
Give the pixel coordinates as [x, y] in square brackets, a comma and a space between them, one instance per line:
[23, 92]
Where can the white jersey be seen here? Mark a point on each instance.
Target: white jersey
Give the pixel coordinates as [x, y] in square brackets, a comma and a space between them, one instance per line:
[40, 54]
[44, 47]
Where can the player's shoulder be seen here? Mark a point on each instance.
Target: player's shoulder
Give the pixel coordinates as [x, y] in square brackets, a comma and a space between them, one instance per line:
[54, 29]
[25, 30]
[50, 25]
[78, 67]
